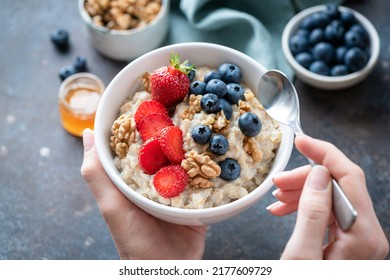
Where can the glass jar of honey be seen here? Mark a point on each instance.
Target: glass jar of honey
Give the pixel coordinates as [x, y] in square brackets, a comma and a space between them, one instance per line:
[79, 96]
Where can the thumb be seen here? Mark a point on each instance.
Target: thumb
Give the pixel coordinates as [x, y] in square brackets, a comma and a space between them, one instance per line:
[92, 170]
[314, 212]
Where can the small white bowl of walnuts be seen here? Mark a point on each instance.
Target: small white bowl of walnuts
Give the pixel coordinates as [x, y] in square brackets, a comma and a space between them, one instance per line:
[125, 29]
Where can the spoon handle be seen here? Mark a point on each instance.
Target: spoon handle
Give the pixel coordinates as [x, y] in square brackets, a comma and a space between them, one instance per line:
[342, 208]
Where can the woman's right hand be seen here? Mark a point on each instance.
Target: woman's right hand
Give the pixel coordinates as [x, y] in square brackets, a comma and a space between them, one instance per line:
[308, 190]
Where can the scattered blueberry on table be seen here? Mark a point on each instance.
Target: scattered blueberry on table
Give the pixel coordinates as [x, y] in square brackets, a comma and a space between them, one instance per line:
[60, 39]
[331, 42]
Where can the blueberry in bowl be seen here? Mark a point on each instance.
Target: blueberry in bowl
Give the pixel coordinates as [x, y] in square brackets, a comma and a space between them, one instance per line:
[331, 47]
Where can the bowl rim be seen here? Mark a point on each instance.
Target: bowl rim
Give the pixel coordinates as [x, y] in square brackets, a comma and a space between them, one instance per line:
[88, 20]
[293, 24]
[203, 213]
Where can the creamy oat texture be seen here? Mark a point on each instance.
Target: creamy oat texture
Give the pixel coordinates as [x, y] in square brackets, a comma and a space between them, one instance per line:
[255, 154]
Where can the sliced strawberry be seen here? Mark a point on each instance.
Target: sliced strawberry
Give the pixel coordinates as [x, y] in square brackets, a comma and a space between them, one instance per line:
[171, 142]
[170, 181]
[151, 125]
[148, 107]
[151, 158]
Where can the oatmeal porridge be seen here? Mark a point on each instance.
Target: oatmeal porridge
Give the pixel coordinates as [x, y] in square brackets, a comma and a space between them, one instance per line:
[216, 173]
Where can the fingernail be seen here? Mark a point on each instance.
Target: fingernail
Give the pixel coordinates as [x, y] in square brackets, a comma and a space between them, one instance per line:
[87, 139]
[319, 178]
[269, 207]
[275, 192]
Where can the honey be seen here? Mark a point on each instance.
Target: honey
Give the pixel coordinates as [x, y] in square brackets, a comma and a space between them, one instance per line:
[78, 100]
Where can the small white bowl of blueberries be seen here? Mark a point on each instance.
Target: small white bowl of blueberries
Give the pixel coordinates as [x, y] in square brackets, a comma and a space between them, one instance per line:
[331, 47]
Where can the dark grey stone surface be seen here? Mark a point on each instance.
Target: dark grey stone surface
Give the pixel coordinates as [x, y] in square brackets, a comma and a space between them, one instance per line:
[46, 209]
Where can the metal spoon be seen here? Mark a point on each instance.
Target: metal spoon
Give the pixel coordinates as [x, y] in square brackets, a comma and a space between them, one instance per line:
[280, 100]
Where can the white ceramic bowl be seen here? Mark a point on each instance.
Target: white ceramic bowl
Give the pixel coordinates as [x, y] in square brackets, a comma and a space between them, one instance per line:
[128, 44]
[327, 82]
[129, 80]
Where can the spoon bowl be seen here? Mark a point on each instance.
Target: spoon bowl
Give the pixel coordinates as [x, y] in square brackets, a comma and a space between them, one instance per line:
[280, 100]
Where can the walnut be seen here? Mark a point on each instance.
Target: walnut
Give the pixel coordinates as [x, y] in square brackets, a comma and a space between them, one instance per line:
[193, 107]
[243, 107]
[249, 95]
[200, 182]
[220, 124]
[217, 122]
[124, 21]
[200, 164]
[251, 147]
[146, 81]
[195, 102]
[123, 134]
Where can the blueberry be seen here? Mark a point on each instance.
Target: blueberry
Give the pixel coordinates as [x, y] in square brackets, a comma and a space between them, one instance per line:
[316, 36]
[230, 73]
[198, 88]
[298, 44]
[226, 107]
[308, 23]
[357, 27]
[217, 87]
[355, 59]
[319, 67]
[191, 74]
[334, 32]
[324, 51]
[201, 134]
[332, 10]
[323, 19]
[230, 169]
[320, 19]
[60, 38]
[249, 124]
[339, 70]
[67, 71]
[353, 39]
[347, 18]
[304, 58]
[80, 63]
[210, 103]
[340, 54]
[234, 93]
[211, 75]
[302, 32]
[219, 144]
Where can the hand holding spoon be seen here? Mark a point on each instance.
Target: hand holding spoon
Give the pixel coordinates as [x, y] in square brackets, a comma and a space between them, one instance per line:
[280, 99]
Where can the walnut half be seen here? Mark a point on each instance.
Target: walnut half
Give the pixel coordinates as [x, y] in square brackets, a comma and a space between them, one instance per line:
[123, 134]
[200, 168]
[200, 164]
[251, 147]
[193, 107]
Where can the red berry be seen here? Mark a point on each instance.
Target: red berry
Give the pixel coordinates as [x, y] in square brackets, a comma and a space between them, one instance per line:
[148, 107]
[151, 158]
[169, 85]
[151, 125]
[170, 181]
[171, 142]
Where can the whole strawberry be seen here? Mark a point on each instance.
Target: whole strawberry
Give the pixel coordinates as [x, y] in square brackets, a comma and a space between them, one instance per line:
[169, 85]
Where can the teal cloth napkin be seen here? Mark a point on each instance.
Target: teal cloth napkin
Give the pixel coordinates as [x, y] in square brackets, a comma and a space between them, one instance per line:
[253, 27]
